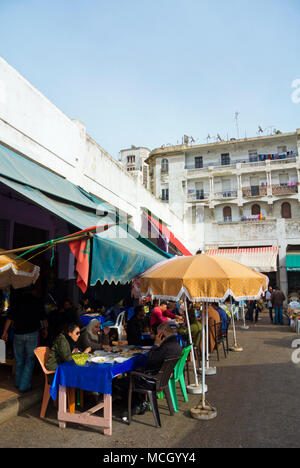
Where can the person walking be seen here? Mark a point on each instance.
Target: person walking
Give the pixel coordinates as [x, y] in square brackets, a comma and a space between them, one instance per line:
[26, 314]
[277, 299]
[269, 302]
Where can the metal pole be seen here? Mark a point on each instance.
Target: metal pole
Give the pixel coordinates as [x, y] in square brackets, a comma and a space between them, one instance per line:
[191, 341]
[233, 323]
[203, 356]
[207, 347]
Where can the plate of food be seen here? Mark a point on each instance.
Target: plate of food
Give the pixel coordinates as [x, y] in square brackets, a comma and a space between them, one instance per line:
[119, 360]
[99, 359]
[127, 354]
[99, 352]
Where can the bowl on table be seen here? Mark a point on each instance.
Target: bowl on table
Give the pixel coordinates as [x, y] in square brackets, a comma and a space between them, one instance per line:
[80, 359]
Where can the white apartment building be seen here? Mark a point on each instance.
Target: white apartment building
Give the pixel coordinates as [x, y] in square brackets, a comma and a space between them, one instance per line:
[237, 194]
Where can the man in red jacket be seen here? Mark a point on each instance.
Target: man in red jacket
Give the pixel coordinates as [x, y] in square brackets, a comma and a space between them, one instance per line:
[160, 314]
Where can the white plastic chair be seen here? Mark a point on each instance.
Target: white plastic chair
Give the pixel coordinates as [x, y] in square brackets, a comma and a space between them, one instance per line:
[119, 325]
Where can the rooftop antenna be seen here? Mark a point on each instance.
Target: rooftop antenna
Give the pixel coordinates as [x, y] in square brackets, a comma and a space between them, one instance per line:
[260, 130]
[236, 118]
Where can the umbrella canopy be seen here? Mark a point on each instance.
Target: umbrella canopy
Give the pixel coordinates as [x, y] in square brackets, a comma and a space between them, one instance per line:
[16, 272]
[203, 278]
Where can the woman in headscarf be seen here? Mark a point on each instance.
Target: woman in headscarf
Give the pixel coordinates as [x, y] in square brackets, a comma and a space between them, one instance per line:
[93, 337]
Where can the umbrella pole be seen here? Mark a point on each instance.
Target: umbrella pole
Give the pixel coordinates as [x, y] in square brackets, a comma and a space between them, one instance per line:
[193, 388]
[208, 370]
[244, 327]
[235, 348]
[203, 410]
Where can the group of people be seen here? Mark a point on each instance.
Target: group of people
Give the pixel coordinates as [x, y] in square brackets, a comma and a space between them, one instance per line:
[64, 332]
[273, 300]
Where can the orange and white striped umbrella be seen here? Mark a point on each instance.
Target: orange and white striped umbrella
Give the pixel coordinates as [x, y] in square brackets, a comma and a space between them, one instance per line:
[203, 278]
[17, 272]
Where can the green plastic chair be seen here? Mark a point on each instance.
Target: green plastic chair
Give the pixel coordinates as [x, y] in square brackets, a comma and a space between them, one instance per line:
[178, 376]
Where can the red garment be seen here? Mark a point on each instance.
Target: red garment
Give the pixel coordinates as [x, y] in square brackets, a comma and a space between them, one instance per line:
[169, 314]
[157, 316]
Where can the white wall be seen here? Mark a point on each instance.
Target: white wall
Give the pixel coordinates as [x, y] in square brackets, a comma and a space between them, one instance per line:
[35, 127]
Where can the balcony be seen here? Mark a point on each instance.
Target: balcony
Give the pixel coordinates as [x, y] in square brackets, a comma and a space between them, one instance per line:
[197, 195]
[254, 191]
[284, 189]
[226, 194]
[285, 158]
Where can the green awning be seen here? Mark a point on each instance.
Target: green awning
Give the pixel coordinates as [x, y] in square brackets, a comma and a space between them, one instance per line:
[293, 261]
[19, 169]
[119, 253]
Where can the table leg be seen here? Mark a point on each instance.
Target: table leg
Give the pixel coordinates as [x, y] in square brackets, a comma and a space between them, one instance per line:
[62, 405]
[71, 400]
[108, 413]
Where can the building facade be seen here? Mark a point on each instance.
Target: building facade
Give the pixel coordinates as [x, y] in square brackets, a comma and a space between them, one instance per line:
[236, 194]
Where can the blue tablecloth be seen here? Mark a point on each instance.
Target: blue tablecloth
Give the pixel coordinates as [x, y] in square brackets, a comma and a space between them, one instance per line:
[93, 377]
[85, 319]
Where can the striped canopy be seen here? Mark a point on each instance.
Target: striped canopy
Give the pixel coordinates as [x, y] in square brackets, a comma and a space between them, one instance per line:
[203, 278]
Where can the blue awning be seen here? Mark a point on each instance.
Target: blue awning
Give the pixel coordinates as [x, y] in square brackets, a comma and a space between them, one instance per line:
[121, 259]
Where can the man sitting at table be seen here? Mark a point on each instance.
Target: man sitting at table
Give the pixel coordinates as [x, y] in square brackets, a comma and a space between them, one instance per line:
[165, 346]
[136, 327]
[160, 314]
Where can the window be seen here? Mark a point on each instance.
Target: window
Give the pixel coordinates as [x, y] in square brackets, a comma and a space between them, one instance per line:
[253, 155]
[165, 165]
[286, 211]
[281, 149]
[165, 194]
[254, 183]
[227, 214]
[225, 159]
[255, 210]
[198, 162]
[283, 180]
[131, 159]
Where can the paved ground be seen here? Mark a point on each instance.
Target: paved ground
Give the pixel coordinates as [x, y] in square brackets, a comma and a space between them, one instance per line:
[256, 393]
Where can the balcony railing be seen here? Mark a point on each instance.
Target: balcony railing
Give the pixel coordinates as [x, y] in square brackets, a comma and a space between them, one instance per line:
[197, 196]
[226, 194]
[284, 158]
[284, 189]
[254, 191]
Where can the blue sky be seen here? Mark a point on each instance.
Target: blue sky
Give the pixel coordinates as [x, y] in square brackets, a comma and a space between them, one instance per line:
[146, 72]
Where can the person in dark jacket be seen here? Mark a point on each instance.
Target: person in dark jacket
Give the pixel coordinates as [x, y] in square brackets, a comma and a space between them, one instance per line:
[165, 346]
[64, 345]
[26, 313]
[136, 326]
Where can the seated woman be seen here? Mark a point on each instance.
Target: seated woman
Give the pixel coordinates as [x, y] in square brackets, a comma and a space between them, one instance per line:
[93, 337]
[195, 325]
[64, 345]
